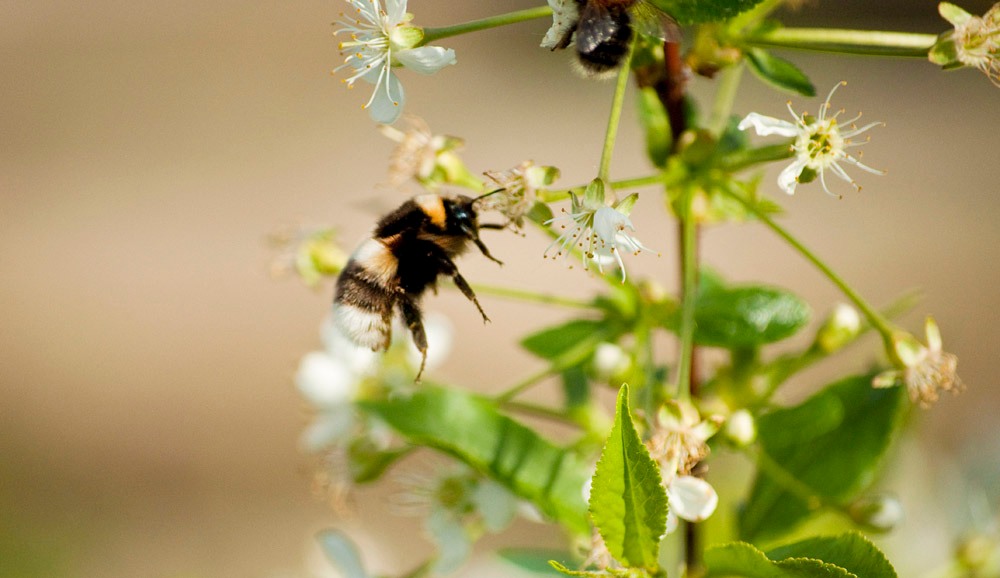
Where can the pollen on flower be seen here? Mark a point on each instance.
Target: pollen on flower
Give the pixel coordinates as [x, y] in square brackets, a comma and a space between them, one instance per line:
[821, 144]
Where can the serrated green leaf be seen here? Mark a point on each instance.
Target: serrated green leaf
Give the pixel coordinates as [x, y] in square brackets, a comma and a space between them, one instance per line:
[742, 559]
[835, 466]
[627, 501]
[534, 560]
[656, 126]
[747, 316]
[814, 417]
[616, 572]
[558, 341]
[850, 551]
[779, 72]
[470, 428]
[342, 553]
[694, 11]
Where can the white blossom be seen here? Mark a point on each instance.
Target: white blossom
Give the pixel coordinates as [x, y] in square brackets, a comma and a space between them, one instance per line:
[600, 231]
[689, 498]
[565, 15]
[975, 41]
[380, 39]
[820, 146]
[925, 370]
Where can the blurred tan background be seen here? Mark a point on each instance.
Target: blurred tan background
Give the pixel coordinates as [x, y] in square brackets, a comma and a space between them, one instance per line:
[148, 422]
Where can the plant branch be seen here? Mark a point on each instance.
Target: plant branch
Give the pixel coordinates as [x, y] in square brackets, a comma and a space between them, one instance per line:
[432, 34]
[867, 42]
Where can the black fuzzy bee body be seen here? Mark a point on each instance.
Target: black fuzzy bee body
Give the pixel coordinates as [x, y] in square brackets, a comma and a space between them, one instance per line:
[603, 34]
[605, 29]
[410, 248]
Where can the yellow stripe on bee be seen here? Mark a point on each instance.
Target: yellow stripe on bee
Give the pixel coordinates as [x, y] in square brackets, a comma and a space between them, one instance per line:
[433, 207]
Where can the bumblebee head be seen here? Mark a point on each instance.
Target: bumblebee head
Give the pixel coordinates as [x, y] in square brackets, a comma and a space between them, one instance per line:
[462, 217]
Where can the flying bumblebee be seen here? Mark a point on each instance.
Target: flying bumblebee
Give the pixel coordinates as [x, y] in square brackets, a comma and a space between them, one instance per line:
[409, 249]
[605, 29]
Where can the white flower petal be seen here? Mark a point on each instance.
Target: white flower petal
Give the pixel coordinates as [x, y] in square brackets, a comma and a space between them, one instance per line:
[672, 522]
[691, 498]
[387, 101]
[766, 125]
[324, 380]
[329, 428]
[496, 505]
[426, 59]
[788, 178]
[565, 15]
[454, 546]
[395, 11]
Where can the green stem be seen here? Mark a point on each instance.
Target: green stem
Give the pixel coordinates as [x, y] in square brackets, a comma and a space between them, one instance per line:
[615, 117]
[432, 34]
[530, 381]
[725, 96]
[870, 42]
[689, 270]
[870, 313]
[745, 158]
[531, 296]
[539, 411]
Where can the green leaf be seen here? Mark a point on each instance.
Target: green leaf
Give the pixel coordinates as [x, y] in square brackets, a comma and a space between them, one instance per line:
[470, 428]
[747, 316]
[559, 341]
[834, 466]
[656, 124]
[742, 559]
[850, 551]
[693, 11]
[627, 501]
[779, 72]
[534, 560]
[342, 553]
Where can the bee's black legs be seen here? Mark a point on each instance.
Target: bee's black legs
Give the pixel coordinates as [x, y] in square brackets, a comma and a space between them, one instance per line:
[495, 226]
[415, 323]
[463, 286]
[486, 251]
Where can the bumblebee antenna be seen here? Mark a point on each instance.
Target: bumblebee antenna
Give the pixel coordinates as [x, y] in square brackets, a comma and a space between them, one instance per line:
[483, 196]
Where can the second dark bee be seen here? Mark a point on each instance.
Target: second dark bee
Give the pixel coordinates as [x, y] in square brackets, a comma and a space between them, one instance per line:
[605, 30]
[409, 249]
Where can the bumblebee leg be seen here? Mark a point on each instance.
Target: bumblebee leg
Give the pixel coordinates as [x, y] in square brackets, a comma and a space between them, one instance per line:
[496, 226]
[448, 268]
[463, 286]
[411, 316]
[486, 251]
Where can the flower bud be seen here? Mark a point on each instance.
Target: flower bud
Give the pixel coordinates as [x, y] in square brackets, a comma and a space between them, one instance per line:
[839, 328]
[879, 513]
[610, 360]
[740, 428]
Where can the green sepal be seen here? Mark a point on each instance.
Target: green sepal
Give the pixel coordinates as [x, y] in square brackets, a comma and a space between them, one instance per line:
[625, 205]
[779, 72]
[593, 196]
[953, 14]
[830, 467]
[470, 428]
[694, 11]
[627, 501]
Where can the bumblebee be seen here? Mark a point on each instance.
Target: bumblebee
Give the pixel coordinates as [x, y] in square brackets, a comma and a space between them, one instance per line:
[605, 29]
[409, 249]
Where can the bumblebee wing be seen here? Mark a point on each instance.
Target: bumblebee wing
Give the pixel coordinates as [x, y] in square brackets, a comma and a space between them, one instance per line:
[650, 21]
[597, 25]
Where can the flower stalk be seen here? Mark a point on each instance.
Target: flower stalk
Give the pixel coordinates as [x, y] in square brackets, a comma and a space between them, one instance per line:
[868, 42]
[432, 34]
